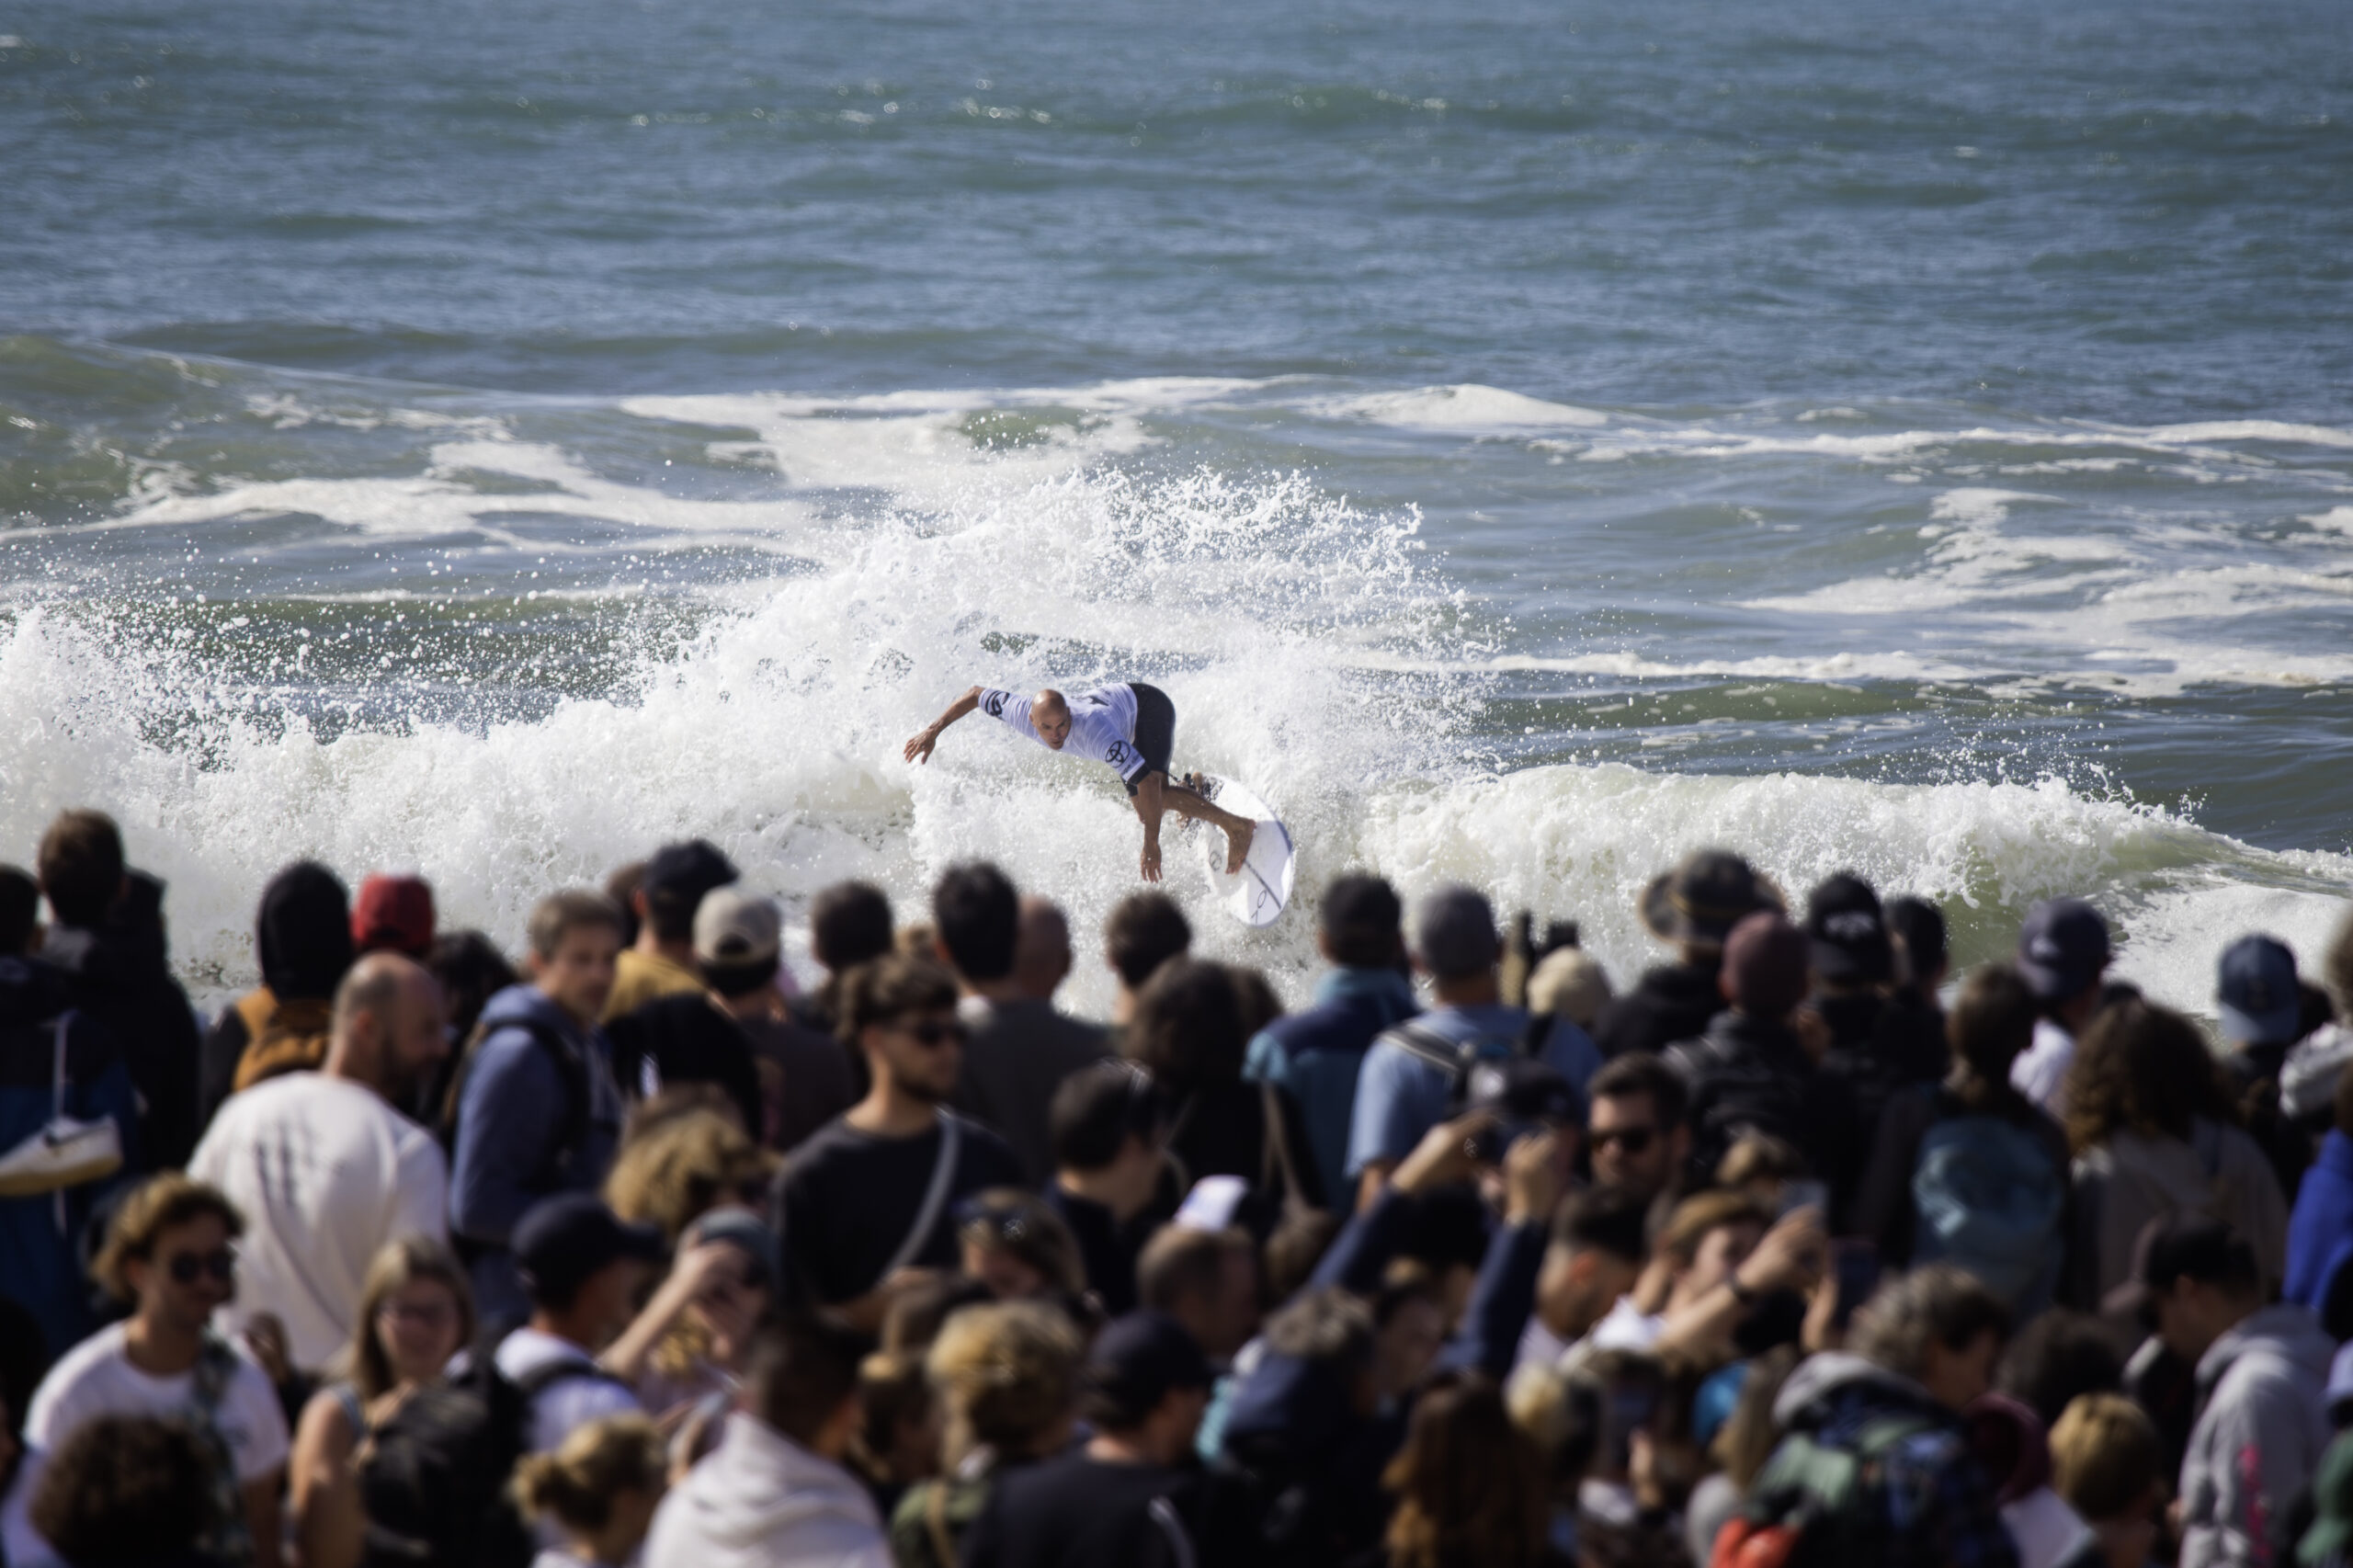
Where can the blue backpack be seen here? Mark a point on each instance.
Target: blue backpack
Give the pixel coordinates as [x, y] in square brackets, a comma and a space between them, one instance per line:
[1989, 1202]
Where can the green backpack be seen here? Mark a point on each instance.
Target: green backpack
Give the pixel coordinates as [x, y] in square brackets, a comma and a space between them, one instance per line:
[1813, 1506]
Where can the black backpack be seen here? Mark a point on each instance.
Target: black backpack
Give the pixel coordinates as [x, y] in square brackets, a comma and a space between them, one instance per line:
[1732, 1094]
[434, 1489]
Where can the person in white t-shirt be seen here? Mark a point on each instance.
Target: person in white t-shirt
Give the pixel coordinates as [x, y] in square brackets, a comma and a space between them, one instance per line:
[323, 1168]
[1131, 726]
[582, 1266]
[168, 1251]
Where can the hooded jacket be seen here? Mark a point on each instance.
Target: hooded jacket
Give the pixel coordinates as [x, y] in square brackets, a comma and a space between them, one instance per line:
[2262, 1426]
[40, 1267]
[763, 1501]
[515, 1110]
[1940, 1505]
[120, 975]
[2129, 1179]
[302, 938]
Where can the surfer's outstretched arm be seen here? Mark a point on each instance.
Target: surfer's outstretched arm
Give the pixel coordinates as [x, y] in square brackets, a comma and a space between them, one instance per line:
[919, 748]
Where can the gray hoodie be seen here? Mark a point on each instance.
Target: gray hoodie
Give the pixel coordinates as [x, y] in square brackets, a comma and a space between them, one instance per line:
[2262, 1423]
[763, 1501]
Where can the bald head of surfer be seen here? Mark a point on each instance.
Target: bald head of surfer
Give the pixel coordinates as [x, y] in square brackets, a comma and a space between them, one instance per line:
[1050, 716]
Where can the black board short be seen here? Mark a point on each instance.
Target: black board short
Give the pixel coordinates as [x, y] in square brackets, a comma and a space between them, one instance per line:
[1155, 728]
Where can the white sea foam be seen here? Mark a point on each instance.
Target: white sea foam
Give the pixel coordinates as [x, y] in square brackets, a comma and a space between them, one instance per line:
[1468, 409]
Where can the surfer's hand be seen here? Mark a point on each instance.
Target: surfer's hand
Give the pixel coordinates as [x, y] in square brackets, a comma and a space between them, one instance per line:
[1150, 864]
[919, 749]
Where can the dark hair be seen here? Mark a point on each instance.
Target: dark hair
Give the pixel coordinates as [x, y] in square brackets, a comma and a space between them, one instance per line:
[1188, 1029]
[1255, 995]
[1604, 1219]
[621, 887]
[917, 1313]
[1641, 1073]
[1937, 1304]
[2145, 1067]
[803, 1369]
[1097, 1109]
[977, 914]
[1471, 1488]
[1918, 930]
[1179, 1262]
[471, 970]
[2056, 1357]
[849, 924]
[1023, 1226]
[122, 1491]
[1363, 921]
[1992, 1022]
[884, 990]
[19, 910]
[691, 869]
[1446, 1228]
[1146, 929]
[81, 865]
[1332, 1327]
[1300, 1241]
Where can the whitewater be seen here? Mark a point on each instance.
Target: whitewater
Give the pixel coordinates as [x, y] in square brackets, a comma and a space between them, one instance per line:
[1529, 441]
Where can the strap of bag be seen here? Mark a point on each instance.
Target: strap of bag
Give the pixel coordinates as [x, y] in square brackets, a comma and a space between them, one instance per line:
[1180, 1541]
[935, 1198]
[57, 1069]
[935, 1514]
[1278, 1163]
[1426, 1044]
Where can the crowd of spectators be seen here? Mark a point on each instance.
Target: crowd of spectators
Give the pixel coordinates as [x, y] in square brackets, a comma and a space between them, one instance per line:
[1797, 1249]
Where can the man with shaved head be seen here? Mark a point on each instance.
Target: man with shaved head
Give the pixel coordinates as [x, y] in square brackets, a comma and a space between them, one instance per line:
[1131, 726]
[324, 1169]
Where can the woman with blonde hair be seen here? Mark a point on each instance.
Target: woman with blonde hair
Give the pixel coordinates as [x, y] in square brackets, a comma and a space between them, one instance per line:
[598, 1492]
[676, 1167]
[417, 1310]
[1007, 1376]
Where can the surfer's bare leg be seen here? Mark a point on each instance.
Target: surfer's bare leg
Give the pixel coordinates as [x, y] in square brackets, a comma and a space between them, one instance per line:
[1239, 830]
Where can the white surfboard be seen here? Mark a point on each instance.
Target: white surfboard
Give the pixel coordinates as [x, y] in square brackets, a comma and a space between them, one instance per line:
[1256, 894]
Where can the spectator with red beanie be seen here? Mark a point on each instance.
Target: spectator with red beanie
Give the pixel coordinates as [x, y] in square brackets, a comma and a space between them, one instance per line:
[393, 915]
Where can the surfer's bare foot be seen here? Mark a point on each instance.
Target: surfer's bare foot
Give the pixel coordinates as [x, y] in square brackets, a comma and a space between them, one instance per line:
[1237, 847]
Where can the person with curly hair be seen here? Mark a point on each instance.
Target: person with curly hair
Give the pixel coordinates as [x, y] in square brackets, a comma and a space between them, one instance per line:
[1007, 1375]
[2154, 1127]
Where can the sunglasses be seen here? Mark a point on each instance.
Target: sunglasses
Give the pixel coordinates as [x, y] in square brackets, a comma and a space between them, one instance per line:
[1633, 1139]
[982, 1220]
[185, 1267]
[931, 1034]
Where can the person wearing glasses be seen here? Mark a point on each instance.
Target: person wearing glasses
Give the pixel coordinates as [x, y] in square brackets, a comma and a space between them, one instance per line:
[1635, 1127]
[873, 1194]
[415, 1312]
[168, 1253]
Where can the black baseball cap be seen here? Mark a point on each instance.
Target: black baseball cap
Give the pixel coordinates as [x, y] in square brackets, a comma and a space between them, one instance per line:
[1139, 1360]
[1847, 931]
[2177, 1246]
[687, 871]
[565, 1239]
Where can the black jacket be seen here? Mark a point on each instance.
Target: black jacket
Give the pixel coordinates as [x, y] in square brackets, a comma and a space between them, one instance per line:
[1750, 1074]
[121, 977]
[1670, 1003]
[1881, 1049]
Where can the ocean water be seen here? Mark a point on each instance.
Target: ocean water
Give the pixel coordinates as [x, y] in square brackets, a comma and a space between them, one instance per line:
[1528, 441]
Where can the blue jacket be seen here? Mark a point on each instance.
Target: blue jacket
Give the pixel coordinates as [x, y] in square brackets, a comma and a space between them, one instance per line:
[1400, 1097]
[40, 1267]
[513, 1115]
[2320, 1228]
[1314, 1056]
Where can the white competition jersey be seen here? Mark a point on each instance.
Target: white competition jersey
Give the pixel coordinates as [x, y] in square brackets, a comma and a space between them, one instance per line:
[1102, 725]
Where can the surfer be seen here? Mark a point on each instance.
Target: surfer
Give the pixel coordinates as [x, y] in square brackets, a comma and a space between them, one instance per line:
[1130, 726]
